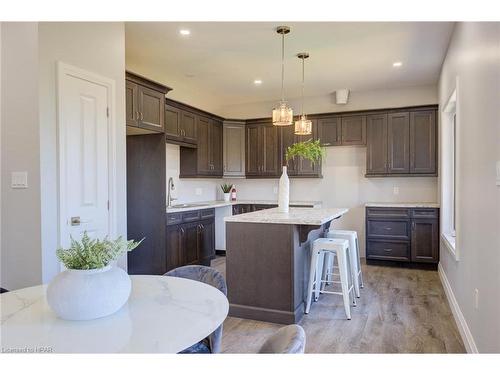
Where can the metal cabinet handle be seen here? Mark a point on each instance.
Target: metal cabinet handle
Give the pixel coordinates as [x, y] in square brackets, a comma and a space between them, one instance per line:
[388, 250]
[327, 144]
[142, 116]
[137, 115]
[413, 225]
[388, 228]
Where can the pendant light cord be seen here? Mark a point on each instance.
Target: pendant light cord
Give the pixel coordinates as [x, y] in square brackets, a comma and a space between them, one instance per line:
[302, 105]
[282, 66]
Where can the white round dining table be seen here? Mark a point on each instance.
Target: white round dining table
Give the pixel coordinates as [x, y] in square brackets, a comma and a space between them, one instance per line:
[163, 315]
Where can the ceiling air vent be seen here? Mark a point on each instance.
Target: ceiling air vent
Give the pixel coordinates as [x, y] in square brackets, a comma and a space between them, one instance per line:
[342, 96]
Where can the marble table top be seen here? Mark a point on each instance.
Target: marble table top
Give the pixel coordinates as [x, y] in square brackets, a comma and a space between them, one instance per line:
[163, 315]
[403, 204]
[295, 216]
[217, 204]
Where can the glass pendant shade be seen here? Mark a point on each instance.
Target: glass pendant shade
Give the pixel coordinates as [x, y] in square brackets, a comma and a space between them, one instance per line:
[282, 115]
[303, 126]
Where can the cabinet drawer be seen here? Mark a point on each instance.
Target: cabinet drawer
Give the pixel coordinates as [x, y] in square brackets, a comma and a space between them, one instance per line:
[190, 216]
[174, 218]
[260, 207]
[208, 213]
[387, 250]
[395, 229]
[387, 212]
[425, 212]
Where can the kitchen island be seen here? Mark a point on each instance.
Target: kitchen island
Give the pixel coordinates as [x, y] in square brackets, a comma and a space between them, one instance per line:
[267, 261]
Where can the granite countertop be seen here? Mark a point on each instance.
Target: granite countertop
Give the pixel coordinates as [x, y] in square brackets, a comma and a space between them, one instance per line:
[403, 205]
[296, 216]
[216, 204]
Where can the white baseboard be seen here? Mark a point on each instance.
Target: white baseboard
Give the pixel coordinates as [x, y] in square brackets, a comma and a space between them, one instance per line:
[463, 328]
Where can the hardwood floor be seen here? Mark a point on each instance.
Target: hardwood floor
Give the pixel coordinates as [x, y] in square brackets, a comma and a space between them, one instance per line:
[400, 311]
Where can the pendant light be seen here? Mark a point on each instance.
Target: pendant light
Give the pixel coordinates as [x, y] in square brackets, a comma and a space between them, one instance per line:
[303, 126]
[283, 113]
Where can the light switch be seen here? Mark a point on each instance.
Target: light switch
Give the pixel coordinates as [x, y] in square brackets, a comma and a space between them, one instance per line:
[396, 190]
[19, 180]
[198, 191]
[275, 190]
[498, 173]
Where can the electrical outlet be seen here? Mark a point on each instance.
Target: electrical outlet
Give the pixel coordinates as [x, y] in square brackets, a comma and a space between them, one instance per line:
[275, 190]
[198, 191]
[395, 190]
[476, 299]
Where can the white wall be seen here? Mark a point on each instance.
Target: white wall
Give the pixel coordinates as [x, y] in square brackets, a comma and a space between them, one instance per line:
[474, 56]
[383, 98]
[21, 234]
[99, 48]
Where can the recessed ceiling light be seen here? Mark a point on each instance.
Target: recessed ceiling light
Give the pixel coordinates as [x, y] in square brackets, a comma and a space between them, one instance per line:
[397, 64]
[185, 32]
[258, 82]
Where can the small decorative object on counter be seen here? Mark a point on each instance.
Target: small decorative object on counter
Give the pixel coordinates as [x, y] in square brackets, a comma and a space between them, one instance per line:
[91, 287]
[233, 193]
[226, 189]
[284, 192]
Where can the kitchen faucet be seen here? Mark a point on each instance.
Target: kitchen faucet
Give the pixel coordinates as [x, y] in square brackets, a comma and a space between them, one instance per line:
[171, 187]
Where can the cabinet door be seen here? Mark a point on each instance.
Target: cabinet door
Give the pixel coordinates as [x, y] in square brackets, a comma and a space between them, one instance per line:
[329, 130]
[172, 122]
[234, 150]
[288, 139]
[190, 243]
[270, 165]
[398, 131]
[204, 165]
[207, 241]
[151, 108]
[376, 150]
[306, 167]
[423, 134]
[252, 156]
[424, 240]
[174, 247]
[131, 109]
[188, 127]
[216, 147]
[354, 130]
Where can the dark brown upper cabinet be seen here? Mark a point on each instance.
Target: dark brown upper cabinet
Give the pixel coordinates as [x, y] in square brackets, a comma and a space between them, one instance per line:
[376, 147]
[262, 150]
[180, 126]
[145, 101]
[329, 131]
[188, 127]
[299, 167]
[173, 123]
[402, 143]
[398, 131]
[423, 138]
[354, 130]
[206, 159]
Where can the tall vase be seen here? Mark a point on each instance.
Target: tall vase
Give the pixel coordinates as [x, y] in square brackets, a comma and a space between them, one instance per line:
[284, 192]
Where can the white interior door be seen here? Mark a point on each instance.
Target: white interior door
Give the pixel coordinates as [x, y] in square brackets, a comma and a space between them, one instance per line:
[84, 158]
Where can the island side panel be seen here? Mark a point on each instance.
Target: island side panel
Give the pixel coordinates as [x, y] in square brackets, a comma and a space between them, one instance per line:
[260, 271]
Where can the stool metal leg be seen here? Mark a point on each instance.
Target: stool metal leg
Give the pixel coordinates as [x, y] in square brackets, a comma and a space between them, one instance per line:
[312, 272]
[319, 271]
[344, 279]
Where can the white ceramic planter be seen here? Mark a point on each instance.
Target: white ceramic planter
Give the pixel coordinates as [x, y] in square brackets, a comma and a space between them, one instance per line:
[89, 294]
[227, 197]
[284, 192]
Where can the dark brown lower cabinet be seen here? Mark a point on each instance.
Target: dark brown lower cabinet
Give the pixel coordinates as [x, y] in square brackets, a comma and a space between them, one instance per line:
[190, 238]
[408, 235]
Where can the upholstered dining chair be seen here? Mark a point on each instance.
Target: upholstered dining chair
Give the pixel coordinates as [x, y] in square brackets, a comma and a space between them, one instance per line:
[290, 339]
[214, 278]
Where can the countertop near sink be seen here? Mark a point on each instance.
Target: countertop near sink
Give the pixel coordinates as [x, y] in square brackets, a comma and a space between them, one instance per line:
[403, 205]
[216, 204]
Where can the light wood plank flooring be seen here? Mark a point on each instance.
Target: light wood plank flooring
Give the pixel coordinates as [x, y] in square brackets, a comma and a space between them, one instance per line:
[400, 311]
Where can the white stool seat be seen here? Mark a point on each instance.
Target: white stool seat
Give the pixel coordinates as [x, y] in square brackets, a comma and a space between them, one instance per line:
[340, 248]
[352, 237]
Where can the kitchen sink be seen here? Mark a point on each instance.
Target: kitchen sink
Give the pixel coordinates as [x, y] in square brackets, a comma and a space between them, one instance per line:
[187, 205]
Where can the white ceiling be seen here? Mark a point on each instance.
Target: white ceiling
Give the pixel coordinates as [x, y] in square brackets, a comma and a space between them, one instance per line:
[219, 61]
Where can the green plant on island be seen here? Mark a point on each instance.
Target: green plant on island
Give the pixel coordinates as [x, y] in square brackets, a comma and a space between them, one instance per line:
[89, 253]
[310, 150]
[226, 188]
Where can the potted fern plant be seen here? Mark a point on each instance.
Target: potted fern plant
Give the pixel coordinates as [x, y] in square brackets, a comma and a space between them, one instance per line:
[226, 189]
[310, 150]
[91, 287]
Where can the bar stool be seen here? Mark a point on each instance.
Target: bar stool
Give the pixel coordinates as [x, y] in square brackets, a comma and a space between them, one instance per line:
[352, 237]
[340, 248]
